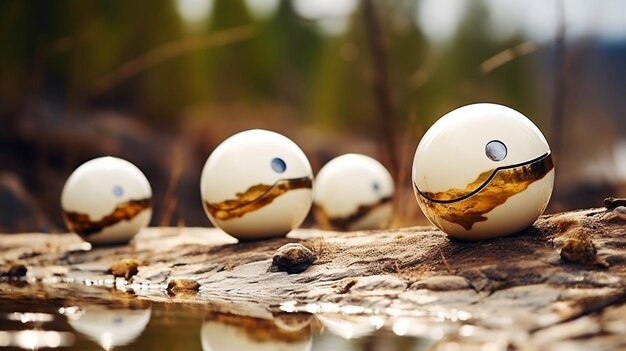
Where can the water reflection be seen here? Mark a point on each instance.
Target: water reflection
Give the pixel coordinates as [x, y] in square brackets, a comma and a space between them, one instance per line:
[110, 327]
[345, 328]
[346, 332]
[33, 339]
[224, 331]
[32, 331]
[77, 318]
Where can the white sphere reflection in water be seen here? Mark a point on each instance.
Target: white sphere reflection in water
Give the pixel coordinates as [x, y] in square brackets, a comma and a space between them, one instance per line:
[256, 184]
[353, 192]
[107, 200]
[349, 328]
[482, 171]
[111, 327]
[225, 332]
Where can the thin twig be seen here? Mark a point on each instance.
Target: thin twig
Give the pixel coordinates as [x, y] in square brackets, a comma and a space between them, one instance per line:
[170, 200]
[169, 51]
[558, 102]
[382, 89]
[503, 57]
[445, 263]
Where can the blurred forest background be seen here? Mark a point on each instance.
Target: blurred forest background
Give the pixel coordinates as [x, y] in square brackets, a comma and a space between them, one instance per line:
[162, 82]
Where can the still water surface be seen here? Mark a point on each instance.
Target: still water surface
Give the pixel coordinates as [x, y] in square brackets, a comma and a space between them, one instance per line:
[49, 322]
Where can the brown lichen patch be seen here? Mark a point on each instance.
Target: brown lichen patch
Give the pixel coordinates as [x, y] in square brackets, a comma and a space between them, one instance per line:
[176, 286]
[344, 223]
[505, 183]
[256, 197]
[260, 330]
[82, 224]
[125, 268]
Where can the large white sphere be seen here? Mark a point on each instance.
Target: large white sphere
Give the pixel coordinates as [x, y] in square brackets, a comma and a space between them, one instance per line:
[482, 171]
[353, 192]
[111, 327]
[257, 184]
[107, 200]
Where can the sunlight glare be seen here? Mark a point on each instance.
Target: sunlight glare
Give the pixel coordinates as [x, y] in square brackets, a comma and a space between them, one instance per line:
[194, 10]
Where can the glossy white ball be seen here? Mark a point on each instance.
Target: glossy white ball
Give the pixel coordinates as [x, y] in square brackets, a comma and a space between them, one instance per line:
[353, 192]
[482, 171]
[107, 200]
[257, 184]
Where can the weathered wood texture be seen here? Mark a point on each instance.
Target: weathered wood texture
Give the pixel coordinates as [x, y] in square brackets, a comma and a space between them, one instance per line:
[559, 284]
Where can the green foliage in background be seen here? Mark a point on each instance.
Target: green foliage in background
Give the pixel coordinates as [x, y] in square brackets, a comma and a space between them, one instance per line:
[64, 50]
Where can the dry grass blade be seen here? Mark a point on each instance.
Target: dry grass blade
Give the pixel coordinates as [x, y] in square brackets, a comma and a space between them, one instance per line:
[170, 200]
[169, 51]
[503, 57]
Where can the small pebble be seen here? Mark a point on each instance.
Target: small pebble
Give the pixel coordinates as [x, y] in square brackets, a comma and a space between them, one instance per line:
[612, 203]
[15, 271]
[578, 250]
[126, 268]
[620, 209]
[581, 251]
[182, 286]
[293, 258]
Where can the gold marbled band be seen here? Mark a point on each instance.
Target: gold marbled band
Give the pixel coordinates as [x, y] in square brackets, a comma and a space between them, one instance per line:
[483, 179]
[466, 210]
[344, 223]
[255, 197]
[81, 223]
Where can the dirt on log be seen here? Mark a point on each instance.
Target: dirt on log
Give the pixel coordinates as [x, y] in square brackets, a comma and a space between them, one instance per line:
[561, 284]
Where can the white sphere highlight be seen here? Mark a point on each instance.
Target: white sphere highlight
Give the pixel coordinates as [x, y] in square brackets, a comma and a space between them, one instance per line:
[107, 200]
[257, 184]
[482, 171]
[353, 192]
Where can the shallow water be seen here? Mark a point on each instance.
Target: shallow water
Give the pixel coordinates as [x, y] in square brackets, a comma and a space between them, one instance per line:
[86, 323]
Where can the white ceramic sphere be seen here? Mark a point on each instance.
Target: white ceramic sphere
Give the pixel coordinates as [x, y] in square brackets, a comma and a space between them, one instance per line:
[482, 171]
[353, 192]
[257, 159]
[107, 200]
[111, 327]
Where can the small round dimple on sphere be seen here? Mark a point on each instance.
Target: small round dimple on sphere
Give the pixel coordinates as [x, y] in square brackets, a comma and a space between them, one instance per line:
[278, 165]
[495, 150]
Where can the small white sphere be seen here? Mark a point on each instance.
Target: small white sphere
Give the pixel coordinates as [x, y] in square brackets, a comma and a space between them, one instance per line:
[107, 200]
[353, 192]
[482, 171]
[257, 184]
[111, 327]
